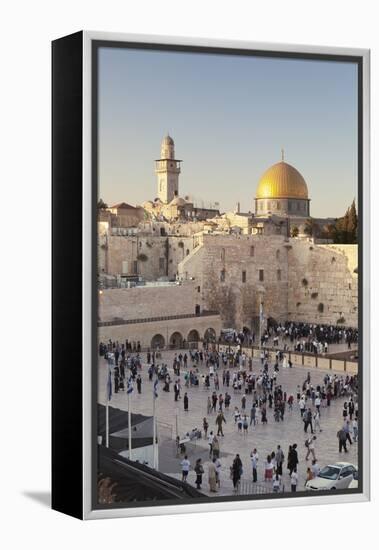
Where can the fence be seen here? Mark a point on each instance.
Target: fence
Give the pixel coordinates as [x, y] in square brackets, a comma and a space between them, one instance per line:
[307, 360]
[248, 487]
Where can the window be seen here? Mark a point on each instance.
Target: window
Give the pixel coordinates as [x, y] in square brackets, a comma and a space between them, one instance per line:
[252, 250]
[244, 276]
[198, 289]
[278, 205]
[161, 264]
[135, 266]
[187, 252]
[124, 267]
[279, 274]
[278, 254]
[222, 275]
[222, 254]
[261, 275]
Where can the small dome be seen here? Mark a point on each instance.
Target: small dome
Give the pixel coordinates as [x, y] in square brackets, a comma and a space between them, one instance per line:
[282, 181]
[178, 201]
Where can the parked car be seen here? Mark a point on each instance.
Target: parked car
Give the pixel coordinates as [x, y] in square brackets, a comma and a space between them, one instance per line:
[333, 476]
[354, 482]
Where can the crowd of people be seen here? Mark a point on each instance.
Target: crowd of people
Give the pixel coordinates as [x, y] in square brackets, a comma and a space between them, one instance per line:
[300, 337]
[228, 378]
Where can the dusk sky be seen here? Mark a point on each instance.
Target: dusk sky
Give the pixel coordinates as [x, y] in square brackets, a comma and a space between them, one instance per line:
[229, 117]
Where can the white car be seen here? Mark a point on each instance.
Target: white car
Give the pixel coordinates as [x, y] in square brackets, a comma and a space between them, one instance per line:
[354, 482]
[334, 476]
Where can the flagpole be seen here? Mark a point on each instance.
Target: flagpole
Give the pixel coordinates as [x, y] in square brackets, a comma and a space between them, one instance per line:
[154, 436]
[107, 424]
[129, 428]
[108, 398]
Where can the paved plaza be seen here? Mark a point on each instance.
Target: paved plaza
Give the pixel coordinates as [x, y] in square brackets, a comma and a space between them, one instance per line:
[173, 420]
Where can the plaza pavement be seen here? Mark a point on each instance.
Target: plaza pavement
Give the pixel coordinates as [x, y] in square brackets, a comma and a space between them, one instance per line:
[263, 437]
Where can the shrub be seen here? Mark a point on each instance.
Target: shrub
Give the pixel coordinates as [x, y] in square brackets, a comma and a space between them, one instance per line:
[142, 257]
[314, 295]
[320, 307]
[341, 321]
[304, 282]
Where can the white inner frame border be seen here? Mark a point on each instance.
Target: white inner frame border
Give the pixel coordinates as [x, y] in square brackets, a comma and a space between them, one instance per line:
[88, 512]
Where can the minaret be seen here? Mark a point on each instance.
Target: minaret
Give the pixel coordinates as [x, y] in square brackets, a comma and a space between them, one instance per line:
[167, 169]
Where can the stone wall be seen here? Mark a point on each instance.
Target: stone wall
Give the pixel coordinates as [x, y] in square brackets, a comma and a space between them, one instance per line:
[168, 330]
[323, 287]
[301, 281]
[151, 257]
[144, 302]
[228, 270]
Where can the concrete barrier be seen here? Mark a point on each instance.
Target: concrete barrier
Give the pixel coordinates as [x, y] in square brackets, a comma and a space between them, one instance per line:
[323, 363]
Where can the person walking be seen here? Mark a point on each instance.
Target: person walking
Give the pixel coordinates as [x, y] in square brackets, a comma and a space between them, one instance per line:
[310, 444]
[205, 427]
[252, 415]
[269, 467]
[355, 430]
[293, 459]
[245, 425]
[218, 472]
[219, 420]
[254, 464]
[210, 443]
[236, 472]
[315, 468]
[139, 383]
[279, 457]
[209, 405]
[185, 402]
[185, 463]
[276, 484]
[212, 477]
[294, 480]
[215, 447]
[199, 470]
[316, 421]
[341, 435]
[307, 417]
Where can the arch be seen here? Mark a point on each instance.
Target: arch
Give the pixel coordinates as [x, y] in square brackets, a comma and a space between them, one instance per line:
[157, 341]
[210, 335]
[176, 340]
[193, 336]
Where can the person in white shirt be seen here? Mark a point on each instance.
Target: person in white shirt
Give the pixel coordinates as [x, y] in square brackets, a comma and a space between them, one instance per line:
[315, 468]
[254, 463]
[294, 481]
[311, 447]
[355, 430]
[185, 463]
[276, 484]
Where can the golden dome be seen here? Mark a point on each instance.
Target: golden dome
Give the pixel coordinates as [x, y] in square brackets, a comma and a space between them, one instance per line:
[282, 181]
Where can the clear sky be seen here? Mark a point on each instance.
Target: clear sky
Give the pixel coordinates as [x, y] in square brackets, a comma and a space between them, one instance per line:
[229, 117]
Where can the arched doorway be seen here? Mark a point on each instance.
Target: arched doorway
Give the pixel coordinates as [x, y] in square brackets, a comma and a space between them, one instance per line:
[210, 335]
[193, 336]
[157, 342]
[176, 340]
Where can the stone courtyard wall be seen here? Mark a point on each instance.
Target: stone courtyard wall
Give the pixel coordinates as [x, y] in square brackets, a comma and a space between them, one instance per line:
[143, 302]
